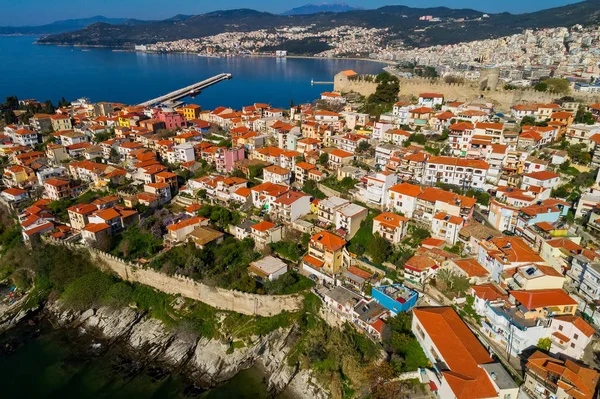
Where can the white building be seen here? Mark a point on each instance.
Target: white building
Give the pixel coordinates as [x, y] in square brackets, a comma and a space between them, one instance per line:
[466, 173]
[462, 367]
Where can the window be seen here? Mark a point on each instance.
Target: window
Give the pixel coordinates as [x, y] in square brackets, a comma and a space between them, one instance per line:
[560, 328]
[576, 336]
[572, 345]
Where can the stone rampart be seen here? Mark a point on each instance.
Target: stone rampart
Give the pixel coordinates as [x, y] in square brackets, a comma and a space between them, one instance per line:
[223, 299]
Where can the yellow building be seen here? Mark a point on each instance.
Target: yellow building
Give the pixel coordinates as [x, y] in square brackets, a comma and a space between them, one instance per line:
[327, 255]
[191, 111]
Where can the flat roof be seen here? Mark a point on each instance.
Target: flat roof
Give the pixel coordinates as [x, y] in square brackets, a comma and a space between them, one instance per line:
[269, 264]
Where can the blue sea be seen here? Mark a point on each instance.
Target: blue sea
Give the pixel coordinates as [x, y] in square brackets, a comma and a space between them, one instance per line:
[47, 72]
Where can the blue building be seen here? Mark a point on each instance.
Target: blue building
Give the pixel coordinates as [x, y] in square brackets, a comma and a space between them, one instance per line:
[396, 298]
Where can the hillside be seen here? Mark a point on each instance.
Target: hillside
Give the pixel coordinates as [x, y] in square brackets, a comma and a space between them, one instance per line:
[317, 8]
[67, 25]
[456, 25]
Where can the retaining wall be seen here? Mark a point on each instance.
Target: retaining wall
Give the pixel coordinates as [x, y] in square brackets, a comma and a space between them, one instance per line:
[231, 300]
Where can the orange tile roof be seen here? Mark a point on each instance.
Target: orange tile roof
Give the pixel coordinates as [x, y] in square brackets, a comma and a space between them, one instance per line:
[328, 240]
[349, 73]
[186, 223]
[433, 194]
[290, 197]
[305, 165]
[578, 322]
[471, 267]
[514, 249]
[341, 153]
[467, 163]
[278, 170]
[391, 219]
[489, 292]
[56, 182]
[420, 263]
[431, 95]
[263, 226]
[542, 175]
[108, 214]
[242, 191]
[462, 126]
[313, 261]
[360, 272]
[96, 227]
[577, 381]
[461, 351]
[536, 299]
[449, 218]
[82, 209]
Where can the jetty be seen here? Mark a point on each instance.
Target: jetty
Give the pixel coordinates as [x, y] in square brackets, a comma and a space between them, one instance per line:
[313, 82]
[186, 91]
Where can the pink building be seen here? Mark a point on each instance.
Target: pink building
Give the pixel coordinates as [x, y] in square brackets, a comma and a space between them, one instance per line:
[227, 157]
[172, 120]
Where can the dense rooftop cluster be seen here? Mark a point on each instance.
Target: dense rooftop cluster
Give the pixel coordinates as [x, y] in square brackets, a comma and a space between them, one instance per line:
[436, 203]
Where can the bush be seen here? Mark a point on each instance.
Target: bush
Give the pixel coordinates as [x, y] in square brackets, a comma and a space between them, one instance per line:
[87, 291]
[288, 250]
[289, 283]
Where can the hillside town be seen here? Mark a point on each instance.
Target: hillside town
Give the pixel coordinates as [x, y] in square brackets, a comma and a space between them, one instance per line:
[481, 227]
[520, 60]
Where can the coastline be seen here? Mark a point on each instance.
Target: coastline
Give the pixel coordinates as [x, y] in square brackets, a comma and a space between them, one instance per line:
[132, 50]
[140, 347]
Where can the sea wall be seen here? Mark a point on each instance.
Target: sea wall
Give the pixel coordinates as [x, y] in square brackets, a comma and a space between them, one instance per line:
[230, 300]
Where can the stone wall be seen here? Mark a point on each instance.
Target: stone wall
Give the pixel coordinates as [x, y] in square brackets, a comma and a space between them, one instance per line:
[467, 92]
[231, 300]
[360, 85]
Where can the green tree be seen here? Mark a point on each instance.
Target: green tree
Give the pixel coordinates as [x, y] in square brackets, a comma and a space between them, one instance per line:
[324, 159]
[363, 146]
[544, 344]
[541, 87]
[379, 249]
[311, 187]
[557, 85]
[528, 121]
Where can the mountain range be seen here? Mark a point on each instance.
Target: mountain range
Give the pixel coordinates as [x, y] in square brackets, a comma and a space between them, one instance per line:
[317, 8]
[67, 25]
[403, 23]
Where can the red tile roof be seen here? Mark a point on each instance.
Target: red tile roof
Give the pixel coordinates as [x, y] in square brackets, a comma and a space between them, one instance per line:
[263, 226]
[488, 292]
[471, 267]
[461, 351]
[328, 240]
[536, 299]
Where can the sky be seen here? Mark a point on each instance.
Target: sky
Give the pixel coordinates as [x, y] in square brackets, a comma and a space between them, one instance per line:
[38, 12]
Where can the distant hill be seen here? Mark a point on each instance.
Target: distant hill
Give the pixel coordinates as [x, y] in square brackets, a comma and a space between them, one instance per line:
[67, 25]
[403, 23]
[317, 8]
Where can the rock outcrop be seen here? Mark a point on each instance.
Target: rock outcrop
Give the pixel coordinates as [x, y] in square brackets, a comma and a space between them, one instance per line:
[208, 362]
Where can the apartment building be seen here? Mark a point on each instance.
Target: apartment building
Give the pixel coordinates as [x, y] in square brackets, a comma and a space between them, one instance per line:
[277, 175]
[548, 377]
[348, 219]
[327, 209]
[375, 189]
[446, 227]
[466, 173]
[391, 226]
[461, 366]
[291, 206]
[327, 255]
[265, 233]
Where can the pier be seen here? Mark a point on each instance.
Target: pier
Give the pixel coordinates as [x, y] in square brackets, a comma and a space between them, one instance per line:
[313, 82]
[189, 90]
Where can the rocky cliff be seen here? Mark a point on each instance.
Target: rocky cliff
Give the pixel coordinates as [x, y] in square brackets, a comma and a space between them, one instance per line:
[208, 362]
